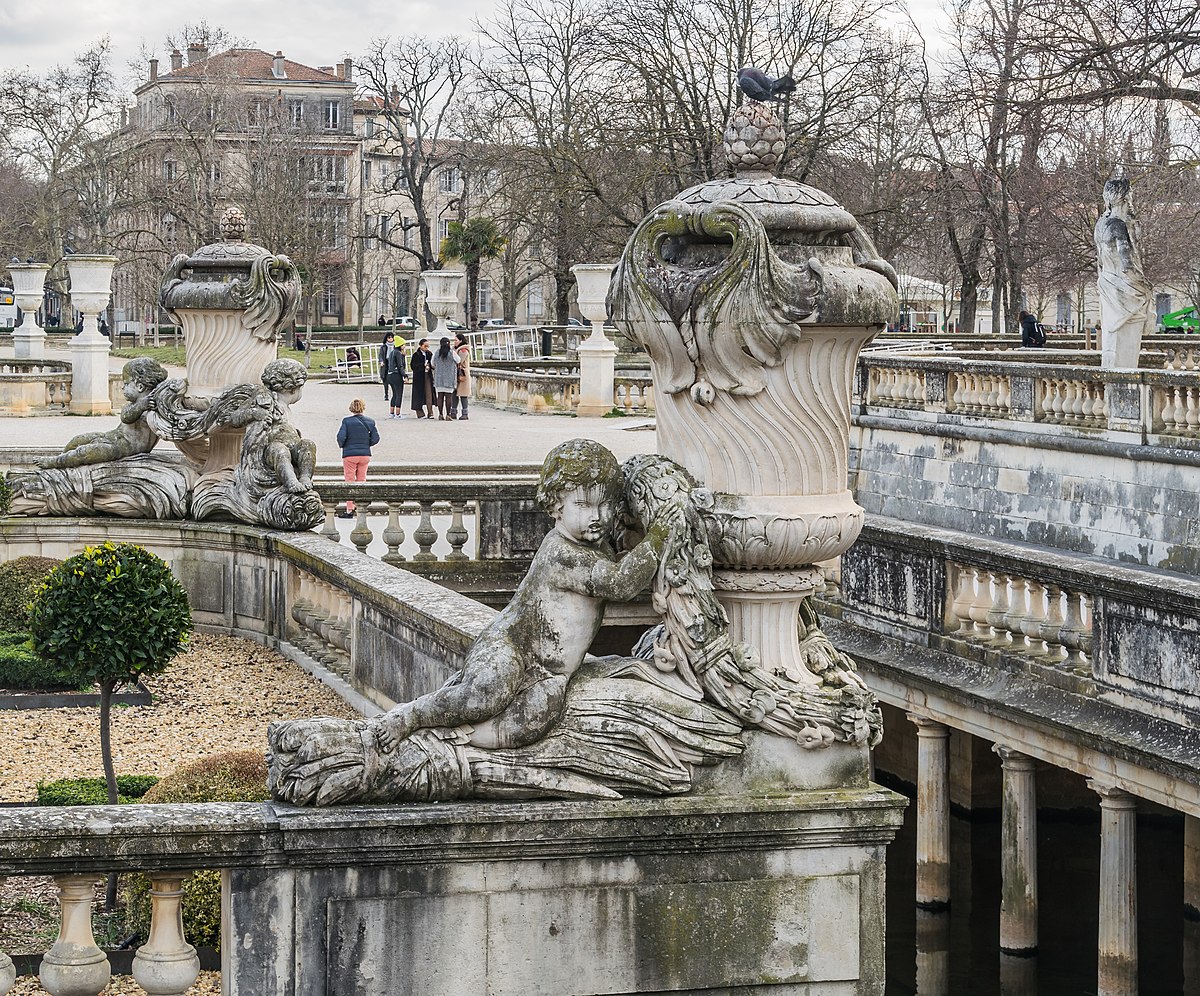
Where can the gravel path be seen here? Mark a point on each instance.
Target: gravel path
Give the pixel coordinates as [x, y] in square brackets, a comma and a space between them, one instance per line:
[218, 696]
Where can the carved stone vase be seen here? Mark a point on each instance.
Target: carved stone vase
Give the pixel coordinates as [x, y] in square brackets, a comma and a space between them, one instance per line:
[29, 281]
[441, 297]
[753, 296]
[91, 281]
[232, 299]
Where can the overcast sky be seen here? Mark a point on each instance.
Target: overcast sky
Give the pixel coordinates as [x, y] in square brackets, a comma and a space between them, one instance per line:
[40, 33]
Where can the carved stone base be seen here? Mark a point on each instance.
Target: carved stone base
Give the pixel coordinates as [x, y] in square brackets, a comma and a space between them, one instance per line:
[779, 895]
[89, 375]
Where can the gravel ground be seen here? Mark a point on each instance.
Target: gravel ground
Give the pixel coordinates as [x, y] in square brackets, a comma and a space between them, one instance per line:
[218, 696]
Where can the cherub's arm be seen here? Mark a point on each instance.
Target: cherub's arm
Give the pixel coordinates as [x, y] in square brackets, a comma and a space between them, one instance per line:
[624, 580]
[136, 409]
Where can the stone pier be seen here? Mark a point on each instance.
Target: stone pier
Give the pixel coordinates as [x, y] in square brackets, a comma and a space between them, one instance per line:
[1118, 951]
[933, 814]
[1018, 855]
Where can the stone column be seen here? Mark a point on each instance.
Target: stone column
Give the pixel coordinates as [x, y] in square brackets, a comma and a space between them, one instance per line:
[597, 353]
[74, 965]
[1191, 904]
[1018, 854]
[933, 814]
[91, 277]
[1118, 968]
[29, 281]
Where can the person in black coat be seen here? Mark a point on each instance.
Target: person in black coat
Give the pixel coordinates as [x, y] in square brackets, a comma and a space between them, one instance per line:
[422, 380]
[356, 435]
[1031, 333]
[393, 371]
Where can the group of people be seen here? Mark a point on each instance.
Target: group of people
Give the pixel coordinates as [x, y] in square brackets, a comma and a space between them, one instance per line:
[440, 379]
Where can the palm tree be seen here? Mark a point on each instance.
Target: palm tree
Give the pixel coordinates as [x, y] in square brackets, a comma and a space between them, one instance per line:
[472, 242]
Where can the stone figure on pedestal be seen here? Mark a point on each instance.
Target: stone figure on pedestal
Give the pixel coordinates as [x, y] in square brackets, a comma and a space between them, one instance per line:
[1122, 287]
[242, 458]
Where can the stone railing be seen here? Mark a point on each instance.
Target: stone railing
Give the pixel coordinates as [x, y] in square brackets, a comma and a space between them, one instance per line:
[1148, 402]
[1129, 634]
[554, 388]
[34, 386]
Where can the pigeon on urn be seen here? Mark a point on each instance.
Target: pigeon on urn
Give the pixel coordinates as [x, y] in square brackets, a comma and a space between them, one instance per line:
[757, 85]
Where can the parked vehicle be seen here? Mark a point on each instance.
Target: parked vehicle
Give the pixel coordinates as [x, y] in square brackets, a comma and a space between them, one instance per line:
[10, 314]
[495, 323]
[405, 322]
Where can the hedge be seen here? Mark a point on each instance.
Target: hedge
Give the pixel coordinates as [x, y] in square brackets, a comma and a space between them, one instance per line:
[92, 791]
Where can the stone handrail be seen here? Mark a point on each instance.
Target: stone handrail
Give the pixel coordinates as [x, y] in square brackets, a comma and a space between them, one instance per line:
[1150, 403]
[1081, 622]
[550, 388]
[31, 386]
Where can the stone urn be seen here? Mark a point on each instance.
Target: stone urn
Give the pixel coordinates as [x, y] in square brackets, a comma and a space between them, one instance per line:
[597, 353]
[441, 296]
[91, 283]
[753, 296]
[232, 299]
[29, 282]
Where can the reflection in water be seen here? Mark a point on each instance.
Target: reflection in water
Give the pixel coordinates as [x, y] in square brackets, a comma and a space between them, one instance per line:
[933, 953]
[958, 953]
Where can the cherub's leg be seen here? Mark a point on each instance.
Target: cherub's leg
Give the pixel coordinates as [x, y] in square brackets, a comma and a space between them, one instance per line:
[304, 453]
[279, 458]
[89, 448]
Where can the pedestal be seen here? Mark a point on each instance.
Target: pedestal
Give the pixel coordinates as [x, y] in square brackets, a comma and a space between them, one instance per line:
[597, 364]
[29, 281]
[779, 895]
[29, 341]
[89, 373]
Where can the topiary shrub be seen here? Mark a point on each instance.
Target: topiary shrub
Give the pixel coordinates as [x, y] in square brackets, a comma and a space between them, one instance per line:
[92, 791]
[110, 615]
[23, 670]
[18, 579]
[6, 495]
[235, 776]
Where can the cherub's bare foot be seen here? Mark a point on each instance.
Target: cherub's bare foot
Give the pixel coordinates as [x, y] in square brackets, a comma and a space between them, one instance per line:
[391, 728]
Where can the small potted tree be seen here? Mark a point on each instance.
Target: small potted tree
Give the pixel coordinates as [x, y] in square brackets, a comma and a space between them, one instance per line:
[110, 616]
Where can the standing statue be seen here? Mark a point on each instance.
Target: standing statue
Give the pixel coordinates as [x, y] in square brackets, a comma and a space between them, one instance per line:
[528, 715]
[1122, 287]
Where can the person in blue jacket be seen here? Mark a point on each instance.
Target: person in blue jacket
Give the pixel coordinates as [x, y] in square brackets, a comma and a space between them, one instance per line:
[356, 435]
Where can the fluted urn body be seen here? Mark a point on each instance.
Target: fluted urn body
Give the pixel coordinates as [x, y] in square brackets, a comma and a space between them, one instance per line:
[752, 297]
[441, 296]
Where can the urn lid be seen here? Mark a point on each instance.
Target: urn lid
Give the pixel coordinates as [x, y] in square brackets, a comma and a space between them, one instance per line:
[232, 253]
[791, 211]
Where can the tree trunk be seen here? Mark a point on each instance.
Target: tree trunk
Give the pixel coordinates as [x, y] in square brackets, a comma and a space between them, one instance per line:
[110, 776]
[473, 296]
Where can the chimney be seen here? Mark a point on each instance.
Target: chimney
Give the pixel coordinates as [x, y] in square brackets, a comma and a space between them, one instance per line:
[340, 73]
[153, 69]
[197, 52]
[347, 70]
[176, 59]
[277, 69]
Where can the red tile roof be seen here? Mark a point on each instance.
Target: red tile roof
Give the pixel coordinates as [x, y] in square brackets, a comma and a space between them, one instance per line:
[249, 64]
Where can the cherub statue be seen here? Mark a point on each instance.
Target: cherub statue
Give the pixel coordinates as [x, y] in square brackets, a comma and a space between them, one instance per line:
[273, 452]
[134, 435]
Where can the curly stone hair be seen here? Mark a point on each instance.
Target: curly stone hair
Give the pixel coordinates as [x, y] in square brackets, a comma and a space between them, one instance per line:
[284, 375]
[578, 463]
[146, 372]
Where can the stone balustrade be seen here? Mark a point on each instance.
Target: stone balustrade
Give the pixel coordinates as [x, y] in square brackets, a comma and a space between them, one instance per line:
[554, 388]
[34, 386]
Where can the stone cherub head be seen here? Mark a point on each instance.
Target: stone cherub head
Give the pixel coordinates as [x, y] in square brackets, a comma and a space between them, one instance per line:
[580, 485]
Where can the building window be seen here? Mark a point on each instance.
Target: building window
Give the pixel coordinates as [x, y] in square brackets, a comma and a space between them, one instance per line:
[449, 181]
[172, 112]
[385, 227]
[485, 296]
[330, 299]
[1162, 306]
[443, 230]
[168, 230]
[401, 306]
[535, 302]
[296, 112]
[410, 232]
[212, 111]
[170, 170]
[384, 295]
[214, 175]
[333, 115]
[366, 172]
[369, 130]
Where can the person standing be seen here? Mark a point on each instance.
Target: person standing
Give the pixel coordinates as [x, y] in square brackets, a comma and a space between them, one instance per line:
[356, 435]
[394, 367]
[389, 342]
[422, 380]
[462, 393]
[445, 379]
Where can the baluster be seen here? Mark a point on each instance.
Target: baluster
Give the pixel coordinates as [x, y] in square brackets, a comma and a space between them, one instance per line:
[1017, 617]
[166, 965]
[980, 604]
[393, 536]
[8, 972]
[1031, 622]
[958, 615]
[330, 529]
[1051, 628]
[957, 395]
[1087, 408]
[361, 534]
[75, 965]
[998, 614]
[1192, 416]
[991, 398]
[1004, 401]
[1073, 634]
[456, 535]
[1173, 411]
[1100, 408]
[425, 534]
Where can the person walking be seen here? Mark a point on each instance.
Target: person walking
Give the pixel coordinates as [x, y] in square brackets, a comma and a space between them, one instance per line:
[445, 378]
[394, 368]
[462, 393]
[1031, 333]
[356, 435]
[422, 380]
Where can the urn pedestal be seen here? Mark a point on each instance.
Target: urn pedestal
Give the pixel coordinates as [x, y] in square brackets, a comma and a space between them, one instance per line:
[597, 354]
[29, 281]
[91, 278]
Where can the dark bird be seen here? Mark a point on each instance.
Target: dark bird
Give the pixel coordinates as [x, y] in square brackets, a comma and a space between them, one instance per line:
[757, 85]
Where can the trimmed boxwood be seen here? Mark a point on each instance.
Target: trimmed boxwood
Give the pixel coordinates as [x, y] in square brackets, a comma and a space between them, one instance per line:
[18, 579]
[23, 670]
[234, 776]
[93, 791]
